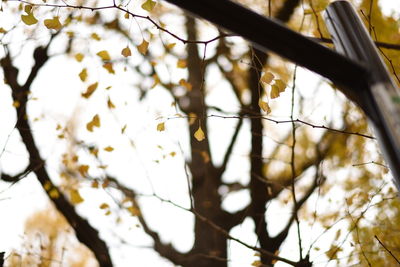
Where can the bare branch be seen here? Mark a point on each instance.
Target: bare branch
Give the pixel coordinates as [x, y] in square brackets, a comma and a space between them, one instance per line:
[228, 152]
[84, 231]
[383, 245]
[165, 250]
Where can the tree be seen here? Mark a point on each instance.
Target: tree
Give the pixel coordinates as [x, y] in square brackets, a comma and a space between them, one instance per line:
[255, 140]
[54, 239]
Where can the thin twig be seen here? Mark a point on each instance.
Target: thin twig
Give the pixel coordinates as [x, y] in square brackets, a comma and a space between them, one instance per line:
[383, 245]
[280, 122]
[114, 6]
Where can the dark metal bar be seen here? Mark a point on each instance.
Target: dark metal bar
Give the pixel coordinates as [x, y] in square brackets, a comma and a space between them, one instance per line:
[360, 72]
[269, 35]
[381, 96]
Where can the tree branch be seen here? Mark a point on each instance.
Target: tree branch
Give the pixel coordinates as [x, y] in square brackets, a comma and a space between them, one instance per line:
[228, 152]
[165, 250]
[84, 231]
[299, 203]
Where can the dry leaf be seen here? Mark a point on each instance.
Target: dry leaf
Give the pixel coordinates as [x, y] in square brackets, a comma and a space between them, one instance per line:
[104, 206]
[53, 23]
[187, 85]
[109, 67]
[110, 104]
[192, 118]
[142, 48]
[148, 5]
[83, 75]
[95, 36]
[79, 57]
[75, 197]
[104, 55]
[181, 63]
[199, 135]
[29, 19]
[267, 77]
[161, 127]
[95, 122]
[108, 148]
[90, 90]
[264, 106]
[170, 46]
[83, 170]
[133, 211]
[126, 52]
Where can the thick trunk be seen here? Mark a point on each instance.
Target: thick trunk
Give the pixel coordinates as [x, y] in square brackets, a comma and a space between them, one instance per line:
[210, 245]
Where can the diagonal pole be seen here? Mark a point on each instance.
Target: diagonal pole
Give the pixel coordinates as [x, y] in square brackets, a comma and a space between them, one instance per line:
[381, 96]
[358, 69]
[269, 35]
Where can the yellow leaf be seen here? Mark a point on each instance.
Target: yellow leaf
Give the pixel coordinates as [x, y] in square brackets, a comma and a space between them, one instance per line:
[184, 83]
[53, 193]
[170, 46]
[277, 88]
[95, 122]
[126, 52]
[161, 127]
[28, 9]
[267, 77]
[105, 183]
[148, 5]
[256, 263]
[199, 135]
[181, 63]
[108, 148]
[172, 154]
[83, 75]
[133, 210]
[274, 91]
[126, 15]
[75, 197]
[104, 55]
[29, 19]
[16, 104]
[53, 23]
[95, 36]
[281, 85]
[104, 206]
[109, 67]
[123, 129]
[95, 184]
[264, 106]
[110, 104]
[192, 118]
[94, 151]
[90, 90]
[79, 57]
[2, 30]
[47, 185]
[142, 48]
[83, 170]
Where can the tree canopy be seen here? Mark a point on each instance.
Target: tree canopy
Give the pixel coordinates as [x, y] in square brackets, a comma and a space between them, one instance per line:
[152, 137]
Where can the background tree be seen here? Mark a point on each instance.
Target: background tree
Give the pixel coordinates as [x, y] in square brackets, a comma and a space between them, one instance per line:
[228, 137]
